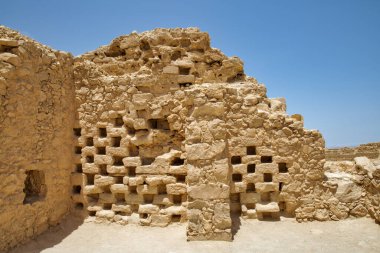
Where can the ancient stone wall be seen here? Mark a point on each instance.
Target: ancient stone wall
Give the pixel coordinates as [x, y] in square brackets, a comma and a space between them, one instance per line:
[353, 189]
[36, 116]
[370, 150]
[156, 128]
[170, 129]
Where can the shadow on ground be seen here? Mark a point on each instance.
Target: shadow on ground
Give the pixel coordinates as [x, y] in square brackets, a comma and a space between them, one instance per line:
[51, 237]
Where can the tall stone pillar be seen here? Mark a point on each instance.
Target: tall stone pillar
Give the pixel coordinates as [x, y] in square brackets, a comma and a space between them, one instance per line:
[208, 189]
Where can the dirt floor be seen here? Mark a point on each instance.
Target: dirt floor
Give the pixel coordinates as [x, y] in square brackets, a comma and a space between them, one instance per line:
[352, 235]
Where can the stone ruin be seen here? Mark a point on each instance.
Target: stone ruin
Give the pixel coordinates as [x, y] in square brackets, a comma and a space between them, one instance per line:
[158, 128]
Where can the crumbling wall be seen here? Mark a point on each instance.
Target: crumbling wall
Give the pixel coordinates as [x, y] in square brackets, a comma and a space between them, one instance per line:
[155, 128]
[370, 150]
[353, 180]
[36, 99]
[170, 129]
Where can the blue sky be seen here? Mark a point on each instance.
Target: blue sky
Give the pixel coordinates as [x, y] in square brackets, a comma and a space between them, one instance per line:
[322, 56]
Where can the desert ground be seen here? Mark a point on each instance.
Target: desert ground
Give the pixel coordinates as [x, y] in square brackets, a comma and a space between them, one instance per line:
[72, 235]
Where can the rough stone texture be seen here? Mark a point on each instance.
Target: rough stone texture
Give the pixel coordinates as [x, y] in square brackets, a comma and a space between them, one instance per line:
[370, 150]
[193, 132]
[36, 117]
[155, 128]
[354, 185]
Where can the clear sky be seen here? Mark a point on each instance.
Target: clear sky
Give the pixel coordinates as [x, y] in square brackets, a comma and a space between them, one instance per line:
[323, 56]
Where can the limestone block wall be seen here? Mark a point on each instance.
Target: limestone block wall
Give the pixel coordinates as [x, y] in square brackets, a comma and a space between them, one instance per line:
[169, 129]
[36, 115]
[156, 128]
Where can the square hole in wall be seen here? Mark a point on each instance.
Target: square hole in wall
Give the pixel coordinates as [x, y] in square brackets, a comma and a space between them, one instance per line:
[177, 199]
[118, 161]
[103, 169]
[176, 218]
[101, 150]
[118, 179]
[235, 160]
[102, 132]
[132, 189]
[90, 179]
[147, 160]
[77, 189]
[131, 131]
[78, 168]
[90, 159]
[107, 206]
[78, 150]
[280, 185]
[265, 197]
[282, 168]
[78, 206]
[177, 161]
[266, 159]
[91, 213]
[184, 71]
[34, 186]
[89, 141]
[118, 122]
[251, 150]
[133, 150]
[267, 177]
[158, 124]
[250, 206]
[237, 177]
[183, 85]
[251, 168]
[148, 198]
[161, 189]
[131, 171]
[251, 187]
[143, 216]
[115, 141]
[153, 123]
[120, 197]
[180, 178]
[77, 132]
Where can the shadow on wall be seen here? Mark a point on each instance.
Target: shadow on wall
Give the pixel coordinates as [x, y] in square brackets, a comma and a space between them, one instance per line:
[50, 237]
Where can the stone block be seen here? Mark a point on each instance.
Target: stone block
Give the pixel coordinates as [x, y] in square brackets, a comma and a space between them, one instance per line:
[267, 168]
[91, 189]
[140, 101]
[171, 70]
[271, 207]
[266, 187]
[132, 161]
[209, 191]
[119, 188]
[103, 180]
[176, 189]
[249, 198]
[148, 208]
[134, 181]
[160, 220]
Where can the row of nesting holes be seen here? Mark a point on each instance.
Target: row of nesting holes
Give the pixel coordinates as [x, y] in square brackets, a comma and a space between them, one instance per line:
[251, 168]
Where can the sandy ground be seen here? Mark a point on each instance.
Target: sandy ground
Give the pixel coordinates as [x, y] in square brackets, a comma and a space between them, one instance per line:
[353, 235]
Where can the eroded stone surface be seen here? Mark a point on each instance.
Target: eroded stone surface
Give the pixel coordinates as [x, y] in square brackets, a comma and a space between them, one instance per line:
[155, 128]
